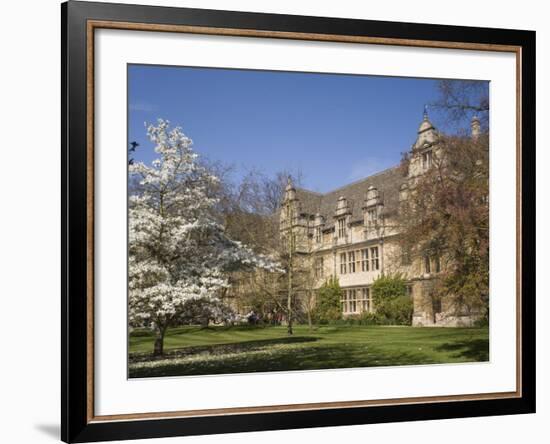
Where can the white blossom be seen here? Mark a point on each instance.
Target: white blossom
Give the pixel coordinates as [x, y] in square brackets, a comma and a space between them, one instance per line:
[178, 251]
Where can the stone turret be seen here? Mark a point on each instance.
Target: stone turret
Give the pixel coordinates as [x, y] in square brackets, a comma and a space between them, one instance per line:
[427, 134]
[290, 191]
[424, 149]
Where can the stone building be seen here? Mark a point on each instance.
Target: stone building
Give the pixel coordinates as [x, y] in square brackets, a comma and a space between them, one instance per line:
[351, 233]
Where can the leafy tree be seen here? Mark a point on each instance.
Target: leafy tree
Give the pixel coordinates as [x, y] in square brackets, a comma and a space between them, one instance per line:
[446, 216]
[328, 300]
[390, 299]
[178, 250]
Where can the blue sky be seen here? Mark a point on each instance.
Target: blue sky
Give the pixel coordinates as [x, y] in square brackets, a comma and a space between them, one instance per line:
[333, 128]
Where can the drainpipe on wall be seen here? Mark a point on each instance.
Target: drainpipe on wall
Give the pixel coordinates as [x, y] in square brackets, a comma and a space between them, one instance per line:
[382, 255]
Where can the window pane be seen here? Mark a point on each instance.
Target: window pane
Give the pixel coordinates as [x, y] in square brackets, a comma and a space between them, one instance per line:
[351, 260]
[374, 258]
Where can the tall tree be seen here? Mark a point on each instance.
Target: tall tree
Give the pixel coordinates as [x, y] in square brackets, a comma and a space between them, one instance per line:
[446, 219]
[178, 249]
[253, 217]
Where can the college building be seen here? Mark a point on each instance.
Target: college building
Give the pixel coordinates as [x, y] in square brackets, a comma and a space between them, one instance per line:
[352, 233]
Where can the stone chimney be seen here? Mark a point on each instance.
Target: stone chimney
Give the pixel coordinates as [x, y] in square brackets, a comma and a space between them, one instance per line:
[342, 206]
[476, 127]
[403, 192]
[372, 197]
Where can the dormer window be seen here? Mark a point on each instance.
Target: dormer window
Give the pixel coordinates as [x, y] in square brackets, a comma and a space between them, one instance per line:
[437, 261]
[427, 265]
[342, 228]
[432, 264]
[372, 217]
[426, 160]
[318, 224]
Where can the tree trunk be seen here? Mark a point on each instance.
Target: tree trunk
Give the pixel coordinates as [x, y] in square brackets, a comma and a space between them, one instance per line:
[289, 299]
[159, 343]
[290, 265]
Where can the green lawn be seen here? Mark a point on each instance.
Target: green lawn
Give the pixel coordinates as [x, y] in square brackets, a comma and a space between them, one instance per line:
[215, 350]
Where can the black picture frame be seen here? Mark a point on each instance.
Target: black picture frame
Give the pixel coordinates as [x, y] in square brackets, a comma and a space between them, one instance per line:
[76, 423]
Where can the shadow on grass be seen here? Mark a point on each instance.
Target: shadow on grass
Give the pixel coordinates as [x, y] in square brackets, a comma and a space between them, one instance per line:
[313, 357]
[470, 350]
[222, 349]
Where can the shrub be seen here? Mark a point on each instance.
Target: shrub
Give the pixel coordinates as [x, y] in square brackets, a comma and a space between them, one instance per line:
[483, 321]
[392, 304]
[328, 301]
[368, 318]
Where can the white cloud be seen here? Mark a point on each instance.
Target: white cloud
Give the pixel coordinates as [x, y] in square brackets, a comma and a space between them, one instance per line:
[142, 106]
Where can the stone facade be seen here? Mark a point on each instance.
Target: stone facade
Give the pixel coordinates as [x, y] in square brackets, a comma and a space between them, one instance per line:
[351, 233]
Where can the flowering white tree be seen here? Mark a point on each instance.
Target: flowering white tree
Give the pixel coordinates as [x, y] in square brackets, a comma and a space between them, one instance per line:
[203, 311]
[177, 249]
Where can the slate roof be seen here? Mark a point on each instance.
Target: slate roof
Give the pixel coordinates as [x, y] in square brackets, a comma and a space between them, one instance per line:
[309, 201]
[387, 182]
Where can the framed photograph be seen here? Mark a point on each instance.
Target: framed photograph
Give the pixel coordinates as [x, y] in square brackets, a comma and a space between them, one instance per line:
[276, 221]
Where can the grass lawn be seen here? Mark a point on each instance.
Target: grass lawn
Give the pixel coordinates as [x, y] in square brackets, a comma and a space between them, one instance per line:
[215, 350]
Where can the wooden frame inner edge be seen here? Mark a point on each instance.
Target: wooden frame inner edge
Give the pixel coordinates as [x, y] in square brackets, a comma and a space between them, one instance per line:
[94, 24]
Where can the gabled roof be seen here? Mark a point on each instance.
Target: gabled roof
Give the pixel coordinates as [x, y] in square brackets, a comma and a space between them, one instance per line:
[387, 182]
[309, 201]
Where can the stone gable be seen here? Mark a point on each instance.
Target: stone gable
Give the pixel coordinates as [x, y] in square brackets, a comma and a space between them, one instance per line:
[387, 183]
